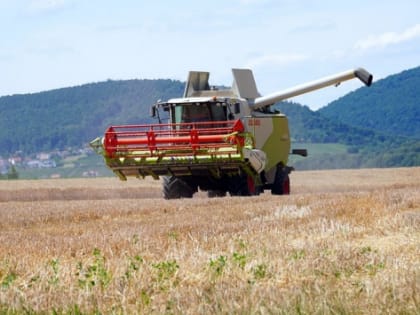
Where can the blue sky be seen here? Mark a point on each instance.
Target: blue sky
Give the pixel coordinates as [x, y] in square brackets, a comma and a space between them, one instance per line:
[48, 44]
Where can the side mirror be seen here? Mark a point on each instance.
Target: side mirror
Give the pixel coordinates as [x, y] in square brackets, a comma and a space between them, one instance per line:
[153, 111]
[301, 152]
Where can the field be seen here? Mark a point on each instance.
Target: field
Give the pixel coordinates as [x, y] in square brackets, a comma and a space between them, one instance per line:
[344, 242]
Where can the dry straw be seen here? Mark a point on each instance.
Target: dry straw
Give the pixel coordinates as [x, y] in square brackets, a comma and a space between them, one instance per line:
[343, 242]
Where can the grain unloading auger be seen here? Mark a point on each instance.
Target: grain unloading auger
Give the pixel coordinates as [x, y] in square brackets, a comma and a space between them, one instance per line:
[219, 141]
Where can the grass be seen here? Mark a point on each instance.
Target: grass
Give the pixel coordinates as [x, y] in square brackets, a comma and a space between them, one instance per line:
[322, 148]
[70, 167]
[316, 150]
[344, 241]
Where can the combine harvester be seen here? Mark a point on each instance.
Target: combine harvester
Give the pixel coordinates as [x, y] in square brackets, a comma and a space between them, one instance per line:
[220, 141]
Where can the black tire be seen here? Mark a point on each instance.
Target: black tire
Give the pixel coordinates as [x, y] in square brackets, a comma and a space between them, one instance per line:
[175, 188]
[244, 186]
[216, 193]
[281, 185]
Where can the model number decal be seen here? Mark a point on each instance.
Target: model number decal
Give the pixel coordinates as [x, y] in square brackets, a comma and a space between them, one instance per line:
[254, 122]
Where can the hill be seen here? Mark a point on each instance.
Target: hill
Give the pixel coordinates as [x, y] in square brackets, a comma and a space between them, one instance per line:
[370, 127]
[311, 126]
[73, 116]
[391, 105]
[334, 144]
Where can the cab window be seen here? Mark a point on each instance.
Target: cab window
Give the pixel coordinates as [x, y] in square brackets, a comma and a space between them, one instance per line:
[187, 113]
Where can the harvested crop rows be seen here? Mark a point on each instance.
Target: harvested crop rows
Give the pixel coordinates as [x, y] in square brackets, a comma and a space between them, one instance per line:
[344, 241]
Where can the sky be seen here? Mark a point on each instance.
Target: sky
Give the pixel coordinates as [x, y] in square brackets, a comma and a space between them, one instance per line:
[49, 44]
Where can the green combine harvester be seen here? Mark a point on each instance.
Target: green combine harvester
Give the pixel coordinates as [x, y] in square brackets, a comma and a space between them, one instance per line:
[219, 141]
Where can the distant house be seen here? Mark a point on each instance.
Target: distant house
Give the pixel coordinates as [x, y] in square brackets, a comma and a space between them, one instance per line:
[43, 156]
[48, 164]
[3, 170]
[4, 167]
[15, 160]
[90, 173]
[34, 164]
[41, 164]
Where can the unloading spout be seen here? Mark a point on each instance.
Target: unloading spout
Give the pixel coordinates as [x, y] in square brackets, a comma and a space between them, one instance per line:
[270, 99]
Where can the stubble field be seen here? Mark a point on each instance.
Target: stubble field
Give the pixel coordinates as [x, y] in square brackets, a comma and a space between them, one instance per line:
[344, 241]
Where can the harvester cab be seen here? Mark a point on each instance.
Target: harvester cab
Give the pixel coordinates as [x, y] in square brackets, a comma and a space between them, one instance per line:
[216, 140]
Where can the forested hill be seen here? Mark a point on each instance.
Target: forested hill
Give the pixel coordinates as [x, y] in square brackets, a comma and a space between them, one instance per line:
[73, 116]
[379, 125]
[311, 126]
[373, 127]
[390, 105]
[346, 146]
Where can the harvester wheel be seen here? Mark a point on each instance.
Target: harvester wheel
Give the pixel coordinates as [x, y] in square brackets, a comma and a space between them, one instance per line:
[244, 186]
[281, 185]
[175, 188]
[216, 193]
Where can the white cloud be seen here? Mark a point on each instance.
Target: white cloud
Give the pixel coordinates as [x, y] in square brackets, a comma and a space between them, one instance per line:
[279, 59]
[46, 5]
[389, 38]
[251, 2]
